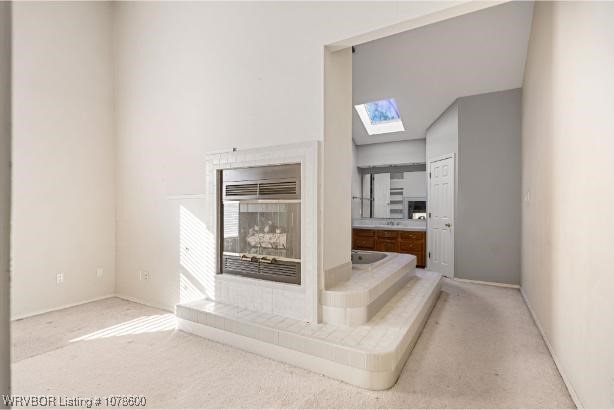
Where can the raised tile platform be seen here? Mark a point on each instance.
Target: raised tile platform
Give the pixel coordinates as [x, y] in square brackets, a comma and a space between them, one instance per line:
[370, 355]
[357, 300]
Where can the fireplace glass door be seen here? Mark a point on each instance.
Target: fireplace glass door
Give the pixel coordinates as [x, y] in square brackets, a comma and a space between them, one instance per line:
[263, 230]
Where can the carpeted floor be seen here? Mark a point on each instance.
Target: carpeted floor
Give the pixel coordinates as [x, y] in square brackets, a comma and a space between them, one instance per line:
[479, 349]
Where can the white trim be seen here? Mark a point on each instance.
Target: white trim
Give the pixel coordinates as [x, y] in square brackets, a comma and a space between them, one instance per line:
[143, 302]
[56, 308]
[483, 282]
[372, 380]
[557, 362]
[108, 296]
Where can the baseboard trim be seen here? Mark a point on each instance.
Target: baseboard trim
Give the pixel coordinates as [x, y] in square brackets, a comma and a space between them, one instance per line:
[53, 309]
[482, 282]
[557, 362]
[143, 302]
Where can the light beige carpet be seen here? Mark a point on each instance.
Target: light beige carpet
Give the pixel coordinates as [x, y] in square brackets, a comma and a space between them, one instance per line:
[480, 348]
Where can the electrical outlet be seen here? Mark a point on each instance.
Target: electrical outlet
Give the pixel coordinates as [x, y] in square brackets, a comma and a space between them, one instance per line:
[99, 273]
[144, 275]
[59, 278]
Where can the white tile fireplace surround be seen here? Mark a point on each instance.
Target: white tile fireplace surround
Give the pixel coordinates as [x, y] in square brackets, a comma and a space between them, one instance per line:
[294, 301]
[372, 317]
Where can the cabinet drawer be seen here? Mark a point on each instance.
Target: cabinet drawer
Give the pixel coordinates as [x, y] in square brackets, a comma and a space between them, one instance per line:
[414, 236]
[364, 243]
[411, 247]
[388, 234]
[385, 245]
[364, 232]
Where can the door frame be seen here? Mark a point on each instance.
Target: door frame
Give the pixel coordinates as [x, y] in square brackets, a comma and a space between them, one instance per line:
[429, 161]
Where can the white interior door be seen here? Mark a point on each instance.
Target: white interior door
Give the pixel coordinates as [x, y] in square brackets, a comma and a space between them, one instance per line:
[441, 216]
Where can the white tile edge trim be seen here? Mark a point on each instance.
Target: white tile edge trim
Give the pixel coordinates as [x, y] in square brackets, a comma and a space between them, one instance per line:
[359, 315]
[325, 365]
[362, 297]
[557, 362]
[372, 380]
[483, 282]
[61, 307]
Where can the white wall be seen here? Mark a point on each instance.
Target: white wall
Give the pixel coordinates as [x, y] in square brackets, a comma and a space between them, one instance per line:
[337, 155]
[568, 164]
[199, 77]
[63, 154]
[5, 195]
[391, 153]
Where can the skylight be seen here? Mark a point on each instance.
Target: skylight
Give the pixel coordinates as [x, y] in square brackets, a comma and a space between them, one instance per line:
[380, 117]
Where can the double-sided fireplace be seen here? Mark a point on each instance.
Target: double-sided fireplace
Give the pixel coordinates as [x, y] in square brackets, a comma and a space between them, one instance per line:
[260, 222]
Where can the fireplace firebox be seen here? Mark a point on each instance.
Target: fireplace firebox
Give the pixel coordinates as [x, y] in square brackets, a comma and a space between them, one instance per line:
[260, 223]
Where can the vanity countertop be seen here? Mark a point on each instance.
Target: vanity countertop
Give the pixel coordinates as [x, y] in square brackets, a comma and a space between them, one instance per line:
[391, 227]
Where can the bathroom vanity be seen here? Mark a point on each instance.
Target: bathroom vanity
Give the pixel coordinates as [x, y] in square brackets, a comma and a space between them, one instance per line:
[391, 239]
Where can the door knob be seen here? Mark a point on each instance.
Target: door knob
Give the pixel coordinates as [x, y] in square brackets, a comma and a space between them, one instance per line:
[448, 225]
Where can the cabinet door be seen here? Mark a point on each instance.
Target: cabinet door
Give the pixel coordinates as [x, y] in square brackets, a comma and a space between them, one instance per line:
[387, 245]
[414, 243]
[412, 236]
[411, 247]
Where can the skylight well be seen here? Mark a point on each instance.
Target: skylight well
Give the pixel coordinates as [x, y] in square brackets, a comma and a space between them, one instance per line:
[380, 117]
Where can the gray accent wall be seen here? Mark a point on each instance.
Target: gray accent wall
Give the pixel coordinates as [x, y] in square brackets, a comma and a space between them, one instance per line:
[483, 131]
[488, 203]
[442, 135]
[5, 195]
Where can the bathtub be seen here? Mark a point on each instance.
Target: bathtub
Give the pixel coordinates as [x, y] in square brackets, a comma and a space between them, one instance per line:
[368, 260]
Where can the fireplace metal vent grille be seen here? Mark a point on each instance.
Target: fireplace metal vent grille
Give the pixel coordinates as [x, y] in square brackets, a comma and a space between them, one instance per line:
[279, 271]
[241, 190]
[261, 189]
[238, 265]
[277, 188]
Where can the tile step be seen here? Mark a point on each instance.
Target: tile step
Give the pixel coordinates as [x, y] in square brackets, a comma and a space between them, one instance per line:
[358, 299]
[369, 355]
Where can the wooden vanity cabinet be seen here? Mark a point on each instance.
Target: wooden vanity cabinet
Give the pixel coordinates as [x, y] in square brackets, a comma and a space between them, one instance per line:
[412, 242]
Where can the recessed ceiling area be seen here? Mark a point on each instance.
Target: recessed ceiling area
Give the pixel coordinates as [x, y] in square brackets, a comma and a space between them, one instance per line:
[426, 69]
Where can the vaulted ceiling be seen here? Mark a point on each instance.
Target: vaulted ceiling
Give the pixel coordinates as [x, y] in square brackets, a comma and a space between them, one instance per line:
[426, 69]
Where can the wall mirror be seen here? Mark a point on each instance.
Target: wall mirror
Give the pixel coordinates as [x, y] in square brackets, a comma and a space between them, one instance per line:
[397, 191]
